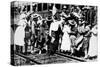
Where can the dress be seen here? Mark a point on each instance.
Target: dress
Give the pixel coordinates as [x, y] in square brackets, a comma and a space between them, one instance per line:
[93, 48]
[20, 33]
[66, 42]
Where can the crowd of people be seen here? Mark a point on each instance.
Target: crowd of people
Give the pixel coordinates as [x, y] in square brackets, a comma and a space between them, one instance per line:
[66, 31]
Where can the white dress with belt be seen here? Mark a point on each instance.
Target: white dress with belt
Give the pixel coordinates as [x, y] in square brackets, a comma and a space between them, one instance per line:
[66, 42]
[20, 33]
[93, 45]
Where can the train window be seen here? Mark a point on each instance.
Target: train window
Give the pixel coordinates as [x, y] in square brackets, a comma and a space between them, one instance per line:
[65, 7]
[45, 6]
[34, 8]
[25, 8]
[40, 7]
[58, 6]
[28, 8]
[50, 6]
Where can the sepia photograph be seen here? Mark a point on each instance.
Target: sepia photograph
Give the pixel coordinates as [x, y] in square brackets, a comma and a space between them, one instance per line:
[52, 33]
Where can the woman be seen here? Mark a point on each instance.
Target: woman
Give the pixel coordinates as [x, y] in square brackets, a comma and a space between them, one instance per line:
[93, 42]
[20, 33]
[66, 43]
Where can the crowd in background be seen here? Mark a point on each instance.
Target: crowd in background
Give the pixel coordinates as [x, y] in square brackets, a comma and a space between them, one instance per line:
[71, 31]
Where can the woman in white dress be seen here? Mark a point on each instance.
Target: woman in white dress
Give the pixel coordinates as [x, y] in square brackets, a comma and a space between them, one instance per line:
[66, 42]
[93, 48]
[20, 33]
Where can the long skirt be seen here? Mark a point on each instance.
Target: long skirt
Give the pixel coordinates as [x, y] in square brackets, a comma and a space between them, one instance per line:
[93, 48]
[66, 42]
[19, 36]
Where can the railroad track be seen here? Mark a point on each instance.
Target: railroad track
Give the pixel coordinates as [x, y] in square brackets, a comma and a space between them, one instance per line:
[56, 58]
[75, 58]
[24, 56]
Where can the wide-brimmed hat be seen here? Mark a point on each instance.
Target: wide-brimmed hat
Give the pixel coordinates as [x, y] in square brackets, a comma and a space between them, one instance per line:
[86, 7]
[71, 22]
[34, 15]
